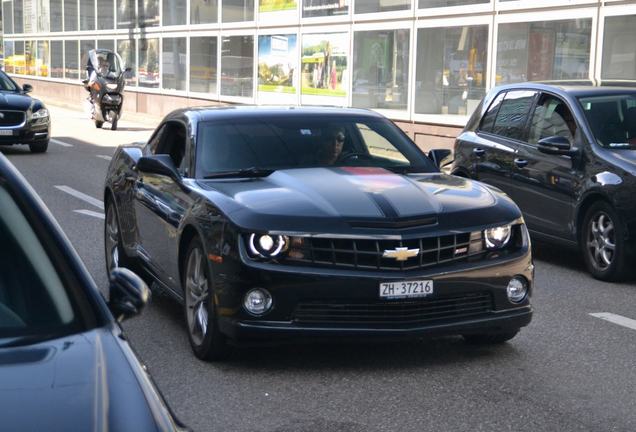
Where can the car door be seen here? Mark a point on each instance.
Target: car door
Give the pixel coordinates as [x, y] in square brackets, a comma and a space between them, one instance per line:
[161, 203]
[501, 132]
[546, 184]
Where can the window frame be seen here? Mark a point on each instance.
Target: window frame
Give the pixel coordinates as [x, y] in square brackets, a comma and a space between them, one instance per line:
[609, 11]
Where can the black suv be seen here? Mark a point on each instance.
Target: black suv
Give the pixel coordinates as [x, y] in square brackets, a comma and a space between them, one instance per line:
[566, 155]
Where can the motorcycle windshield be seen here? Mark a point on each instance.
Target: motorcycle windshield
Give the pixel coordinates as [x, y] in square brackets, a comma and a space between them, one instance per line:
[105, 63]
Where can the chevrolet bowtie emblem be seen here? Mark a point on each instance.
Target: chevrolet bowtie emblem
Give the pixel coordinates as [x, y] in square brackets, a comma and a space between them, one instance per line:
[401, 253]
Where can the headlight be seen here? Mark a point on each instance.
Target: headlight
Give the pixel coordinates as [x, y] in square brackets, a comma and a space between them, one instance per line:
[498, 237]
[41, 113]
[266, 245]
[112, 86]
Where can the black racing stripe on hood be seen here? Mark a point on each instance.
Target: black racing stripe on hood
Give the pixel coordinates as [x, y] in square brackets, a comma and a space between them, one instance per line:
[384, 205]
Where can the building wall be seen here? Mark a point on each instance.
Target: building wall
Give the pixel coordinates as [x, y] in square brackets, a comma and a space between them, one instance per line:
[423, 63]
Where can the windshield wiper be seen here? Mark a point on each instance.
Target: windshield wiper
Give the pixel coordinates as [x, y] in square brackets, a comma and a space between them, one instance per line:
[243, 172]
[30, 339]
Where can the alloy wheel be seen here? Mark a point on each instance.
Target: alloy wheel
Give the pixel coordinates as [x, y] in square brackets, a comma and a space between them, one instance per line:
[196, 296]
[601, 242]
[112, 239]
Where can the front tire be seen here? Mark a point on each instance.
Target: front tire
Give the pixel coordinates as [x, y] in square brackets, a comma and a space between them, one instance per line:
[495, 338]
[206, 340]
[113, 249]
[114, 123]
[39, 146]
[603, 244]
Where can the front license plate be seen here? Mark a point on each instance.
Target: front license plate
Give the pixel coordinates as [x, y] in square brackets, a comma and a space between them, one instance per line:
[406, 289]
[5, 132]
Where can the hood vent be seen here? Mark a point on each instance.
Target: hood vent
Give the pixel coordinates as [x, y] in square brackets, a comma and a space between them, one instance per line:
[394, 223]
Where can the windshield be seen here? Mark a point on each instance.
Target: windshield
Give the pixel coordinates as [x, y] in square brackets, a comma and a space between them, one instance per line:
[6, 83]
[105, 63]
[302, 142]
[33, 300]
[612, 119]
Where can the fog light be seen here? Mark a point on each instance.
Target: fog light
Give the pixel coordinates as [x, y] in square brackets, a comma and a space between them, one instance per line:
[517, 289]
[257, 301]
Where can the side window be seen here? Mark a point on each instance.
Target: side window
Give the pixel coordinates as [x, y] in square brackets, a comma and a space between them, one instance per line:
[513, 115]
[153, 143]
[489, 118]
[173, 143]
[551, 117]
[379, 146]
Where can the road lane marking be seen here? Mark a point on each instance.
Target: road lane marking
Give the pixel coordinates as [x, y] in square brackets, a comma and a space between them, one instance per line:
[77, 194]
[91, 213]
[62, 143]
[616, 319]
[105, 157]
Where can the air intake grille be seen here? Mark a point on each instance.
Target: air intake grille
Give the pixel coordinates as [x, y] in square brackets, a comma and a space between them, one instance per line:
[11, 118]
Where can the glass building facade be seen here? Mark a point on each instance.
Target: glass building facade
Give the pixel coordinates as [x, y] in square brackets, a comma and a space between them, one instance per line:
[427, 61]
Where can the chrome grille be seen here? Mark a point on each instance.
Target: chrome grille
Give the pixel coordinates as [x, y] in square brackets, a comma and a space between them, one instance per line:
[11, 118]
[368, 254]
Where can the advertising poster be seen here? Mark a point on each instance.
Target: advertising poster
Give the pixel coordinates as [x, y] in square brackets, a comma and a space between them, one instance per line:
[324, 64]
[277, 63]
[321, 8]
[276, 5]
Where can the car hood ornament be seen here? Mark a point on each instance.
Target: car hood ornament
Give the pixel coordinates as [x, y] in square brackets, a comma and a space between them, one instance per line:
[401, 253]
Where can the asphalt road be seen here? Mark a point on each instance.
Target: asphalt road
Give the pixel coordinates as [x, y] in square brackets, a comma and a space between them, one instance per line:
[567, 371]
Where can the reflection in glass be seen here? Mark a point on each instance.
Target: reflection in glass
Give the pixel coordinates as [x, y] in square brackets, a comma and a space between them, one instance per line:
[87, 14]
[7, 17]
[450, 75]
[203, 11]
[29, 57]
[108, 44]
[127, 50]
[125, 13]
[42, 15]
[619, 51]
[320, 8]
[173, 59]
[70, 15]
[324, 64]
[18, 16]
[546, 50]
[237, 66]
[9, 56]
[148, 13]
[381, 69]
[174, 12]
[57, 59]
[42, 59]
[57, 19]
[203, 64]
[149, 63]
[277, 63]
[276, 5]
[85, 47]
[374, 6]
[237, 10]
[71, 58]
[105, 14]
[423, 4]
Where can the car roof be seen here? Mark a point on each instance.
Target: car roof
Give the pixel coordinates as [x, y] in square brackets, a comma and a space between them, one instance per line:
[208, 113]
[574, 88]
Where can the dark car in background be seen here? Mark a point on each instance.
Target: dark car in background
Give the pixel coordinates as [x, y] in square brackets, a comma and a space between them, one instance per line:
[566, 154]
[300, 224]
[65, 364]
[23, 119]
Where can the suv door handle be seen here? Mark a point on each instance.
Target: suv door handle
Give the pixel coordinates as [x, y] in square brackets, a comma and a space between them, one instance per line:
[521, 163]
[479, 152]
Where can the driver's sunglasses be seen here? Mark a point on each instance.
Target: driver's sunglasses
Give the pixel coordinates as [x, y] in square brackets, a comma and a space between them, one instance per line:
[340, 137]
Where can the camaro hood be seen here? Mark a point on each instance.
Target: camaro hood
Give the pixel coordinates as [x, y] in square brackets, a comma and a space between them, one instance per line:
[15, 101]
[352, 195]
[79, 382]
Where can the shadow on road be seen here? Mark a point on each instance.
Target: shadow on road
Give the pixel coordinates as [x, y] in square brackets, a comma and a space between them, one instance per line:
[559, 256]
[18, 150]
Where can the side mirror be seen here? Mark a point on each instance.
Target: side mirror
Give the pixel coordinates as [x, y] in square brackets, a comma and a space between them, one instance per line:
[27, 88]
[161, 164]
[556, 145]
[128, 294]
[440, 157]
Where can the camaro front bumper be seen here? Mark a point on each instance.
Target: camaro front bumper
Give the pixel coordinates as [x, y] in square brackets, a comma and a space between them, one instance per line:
[312, 304]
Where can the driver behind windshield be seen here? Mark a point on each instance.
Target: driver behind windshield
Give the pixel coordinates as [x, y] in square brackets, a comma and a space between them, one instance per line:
[330, 149]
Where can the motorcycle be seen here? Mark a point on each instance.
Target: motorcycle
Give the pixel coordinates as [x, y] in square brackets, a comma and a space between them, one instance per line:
[105, 83]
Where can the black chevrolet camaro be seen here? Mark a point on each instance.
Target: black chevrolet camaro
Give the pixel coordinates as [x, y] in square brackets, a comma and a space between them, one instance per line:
[23, 119]
[300, 224]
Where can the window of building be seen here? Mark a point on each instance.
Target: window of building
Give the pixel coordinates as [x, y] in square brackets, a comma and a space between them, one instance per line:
[29, 57]
[57, 59]
[71, 59]
[276, 5]
[42, 62]
[237, 10]
[451, 67]
[277, 64]
[70, 15]
[237, 66]
[148, 13]
[381, 69]
[42, 15]
[126, 14]
[203, 64]
[174, 12]
[324, 64]
[105, 14]
[424, 4]
[619, 51]
[108, 44]
[127, 50]
[18, 63]
[149, 63]
[512, 116]
[203, 11]
[374, 6]
[173, 59]
[85, 47]
[18, 16]
[321, 8]
[7, 17]
[546, 50]
[87, 14]
[9, 56]
[57, 19]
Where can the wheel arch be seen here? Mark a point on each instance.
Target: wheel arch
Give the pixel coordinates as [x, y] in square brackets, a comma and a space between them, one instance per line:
[189, 232]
